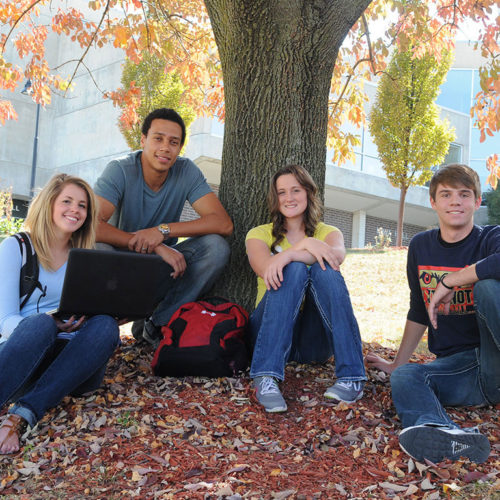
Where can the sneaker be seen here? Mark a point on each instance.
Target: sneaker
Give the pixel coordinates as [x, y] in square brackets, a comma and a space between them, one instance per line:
[137, 329]
[438, 443]
[152, 333]
[268, 394]
[346, 391]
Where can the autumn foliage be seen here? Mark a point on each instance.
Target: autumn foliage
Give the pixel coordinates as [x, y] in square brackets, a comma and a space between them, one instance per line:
[179, 32]
[142, 437]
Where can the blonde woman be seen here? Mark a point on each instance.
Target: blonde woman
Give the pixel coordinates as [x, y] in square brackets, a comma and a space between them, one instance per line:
[303, 310]
[42, 358]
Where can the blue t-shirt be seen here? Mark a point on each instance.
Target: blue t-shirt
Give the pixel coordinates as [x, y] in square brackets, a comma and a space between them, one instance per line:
[429, 260]
[10, 270]
[139, 207]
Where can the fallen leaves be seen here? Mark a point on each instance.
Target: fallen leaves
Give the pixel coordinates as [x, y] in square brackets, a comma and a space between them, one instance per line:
[146, 437]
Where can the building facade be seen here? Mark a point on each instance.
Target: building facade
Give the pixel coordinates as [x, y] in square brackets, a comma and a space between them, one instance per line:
[78, 134]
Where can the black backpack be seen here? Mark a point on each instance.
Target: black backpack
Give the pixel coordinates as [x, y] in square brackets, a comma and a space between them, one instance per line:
[28, 278]
[205, 338]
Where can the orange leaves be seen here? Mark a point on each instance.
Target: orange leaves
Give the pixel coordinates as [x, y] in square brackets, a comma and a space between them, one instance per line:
[7, 112]
[32, 42]
[121, 35]
[494, 168]
[177, 32]
[129, 101]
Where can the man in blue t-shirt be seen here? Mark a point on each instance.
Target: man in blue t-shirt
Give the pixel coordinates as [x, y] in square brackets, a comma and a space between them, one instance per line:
[453, 274]
[141, 197]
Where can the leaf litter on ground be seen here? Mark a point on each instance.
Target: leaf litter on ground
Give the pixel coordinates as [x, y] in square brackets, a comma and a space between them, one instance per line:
[141, 436]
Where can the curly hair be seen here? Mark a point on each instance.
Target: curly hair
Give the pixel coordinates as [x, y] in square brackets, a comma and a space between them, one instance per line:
[313, 210]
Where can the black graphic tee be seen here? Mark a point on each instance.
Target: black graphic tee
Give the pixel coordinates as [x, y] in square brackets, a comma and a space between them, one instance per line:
[429, 260]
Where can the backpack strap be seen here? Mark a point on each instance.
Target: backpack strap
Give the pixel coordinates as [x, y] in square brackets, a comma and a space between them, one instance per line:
[28, 277]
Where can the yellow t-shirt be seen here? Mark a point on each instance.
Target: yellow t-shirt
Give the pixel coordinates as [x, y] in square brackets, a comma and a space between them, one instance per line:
[265, 234]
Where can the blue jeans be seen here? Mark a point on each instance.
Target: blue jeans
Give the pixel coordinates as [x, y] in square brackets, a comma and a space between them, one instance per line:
[283, 330]
[467, 378]
[206, 256]
[38, 370]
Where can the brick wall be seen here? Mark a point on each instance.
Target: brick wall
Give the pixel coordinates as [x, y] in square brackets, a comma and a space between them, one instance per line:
[188, 213]
[342, 220]
[373, 223]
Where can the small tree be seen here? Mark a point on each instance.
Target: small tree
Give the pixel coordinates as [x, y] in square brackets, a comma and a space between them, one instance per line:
[493, 203]
[157, 89]
[405, 125]
[8, 223]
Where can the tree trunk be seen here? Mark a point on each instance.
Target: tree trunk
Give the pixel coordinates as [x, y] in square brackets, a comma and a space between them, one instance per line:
[277, 62]
[401, 215]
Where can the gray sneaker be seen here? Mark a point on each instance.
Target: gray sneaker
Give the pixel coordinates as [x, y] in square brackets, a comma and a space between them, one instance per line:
[346, 391]
[438, 443]
[268, 394]
[152, 333]
[137, 329]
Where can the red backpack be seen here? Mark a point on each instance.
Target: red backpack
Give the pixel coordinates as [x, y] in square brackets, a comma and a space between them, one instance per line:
[205, 338]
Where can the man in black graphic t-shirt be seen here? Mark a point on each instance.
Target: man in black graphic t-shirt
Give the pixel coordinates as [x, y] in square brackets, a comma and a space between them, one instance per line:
[453, 274]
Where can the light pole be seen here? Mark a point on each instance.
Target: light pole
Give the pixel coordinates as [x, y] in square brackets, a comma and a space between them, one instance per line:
[27, 90]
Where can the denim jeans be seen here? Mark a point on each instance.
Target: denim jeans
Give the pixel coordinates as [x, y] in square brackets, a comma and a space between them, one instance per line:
[467, 378]
[39, 370]
[285, 327]
[206, 256]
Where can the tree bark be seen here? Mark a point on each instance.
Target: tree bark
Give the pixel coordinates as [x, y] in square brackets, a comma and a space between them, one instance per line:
[277, 62]
[401, 215]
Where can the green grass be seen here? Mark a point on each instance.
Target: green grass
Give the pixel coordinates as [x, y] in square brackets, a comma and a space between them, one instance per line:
[379, 293]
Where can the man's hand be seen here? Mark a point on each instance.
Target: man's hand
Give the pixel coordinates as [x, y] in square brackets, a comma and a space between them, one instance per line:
[374, 361]
[145, 240]
[322, 252]
[172, 257]
[273, 274]
[441, 296]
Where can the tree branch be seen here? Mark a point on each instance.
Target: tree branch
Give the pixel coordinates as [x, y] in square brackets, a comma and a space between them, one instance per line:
[370, 52]
[16, 22]
[89, 71]
[80, 61]
[369, 59]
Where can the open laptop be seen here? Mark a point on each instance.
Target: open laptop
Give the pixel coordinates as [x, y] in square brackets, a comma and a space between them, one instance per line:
[121, 284]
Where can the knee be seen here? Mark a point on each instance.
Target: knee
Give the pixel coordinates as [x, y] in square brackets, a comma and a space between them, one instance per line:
[329, 274]
[215, 249]
[39, 324]
[295, 271]
[104, 246]
[486, 292]
[403, 375]
[106, 330]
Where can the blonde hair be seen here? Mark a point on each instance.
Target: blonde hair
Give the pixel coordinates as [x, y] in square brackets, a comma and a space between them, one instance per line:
[312, 214]
[40, 224]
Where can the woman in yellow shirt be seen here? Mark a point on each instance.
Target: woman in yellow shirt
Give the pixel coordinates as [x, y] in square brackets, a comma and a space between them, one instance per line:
[303, 310]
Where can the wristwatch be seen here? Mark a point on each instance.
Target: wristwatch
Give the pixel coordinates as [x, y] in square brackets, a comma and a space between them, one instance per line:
[165, 230]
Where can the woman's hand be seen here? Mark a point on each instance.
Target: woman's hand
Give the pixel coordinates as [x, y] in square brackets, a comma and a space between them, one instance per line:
[323, 252]
[273, 274]
[71, 325]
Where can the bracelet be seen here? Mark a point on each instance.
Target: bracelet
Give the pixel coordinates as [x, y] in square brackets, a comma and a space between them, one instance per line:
[445, 285]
